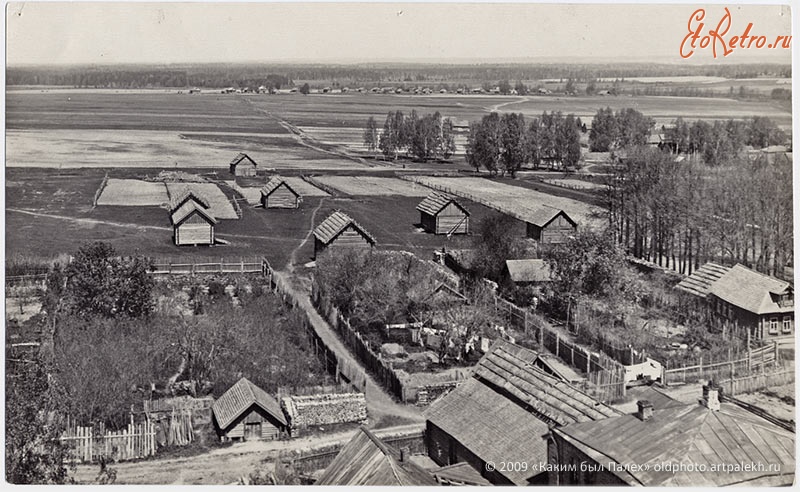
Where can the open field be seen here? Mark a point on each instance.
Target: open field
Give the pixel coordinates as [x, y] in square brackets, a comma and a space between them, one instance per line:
[219, 204]
[575, 184]
[373, 186]
[133, 192]
[513, 200]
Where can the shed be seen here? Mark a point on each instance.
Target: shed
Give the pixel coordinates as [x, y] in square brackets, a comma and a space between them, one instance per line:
[549, 225]
[278, 194]
[527, 272]
[192, 224]
[442, 214]
[246, 412]
[339, 230]
[186, 194]
[366, 460]
[243, 165]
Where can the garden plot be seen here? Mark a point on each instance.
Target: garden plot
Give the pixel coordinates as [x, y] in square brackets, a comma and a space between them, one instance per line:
[373, 186]
[575, 184]
[220, 206]
[134, 193]
[512, 200]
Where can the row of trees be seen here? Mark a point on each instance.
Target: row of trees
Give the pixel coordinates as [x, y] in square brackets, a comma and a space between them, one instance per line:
[424, 138]
[504, 143]
[682, 214]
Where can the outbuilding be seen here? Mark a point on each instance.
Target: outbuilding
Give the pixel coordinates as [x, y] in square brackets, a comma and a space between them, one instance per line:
[339, 230]
[548, 225]
[277, 193]
[246, 412]
[243, 165]
[442, 214]
[192, 222]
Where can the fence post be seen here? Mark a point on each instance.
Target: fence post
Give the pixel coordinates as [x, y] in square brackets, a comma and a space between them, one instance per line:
[557, 344]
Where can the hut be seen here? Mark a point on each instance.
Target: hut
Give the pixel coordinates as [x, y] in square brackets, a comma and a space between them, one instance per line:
[243, 165]
[442, 214]
[549, 225]
[341, 231]
[192, 222]
[246, 412]
[278, 194]
[521, 273]
[366, 460]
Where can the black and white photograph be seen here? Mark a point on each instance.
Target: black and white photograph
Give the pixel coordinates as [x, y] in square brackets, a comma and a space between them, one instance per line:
[399, 244]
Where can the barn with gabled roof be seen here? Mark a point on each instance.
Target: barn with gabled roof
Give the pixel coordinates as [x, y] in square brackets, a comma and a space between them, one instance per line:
[339, 230]
[243, 165]
[549, 225]
[192, 221]
[246, 412]
[442, 214]
[277, 193]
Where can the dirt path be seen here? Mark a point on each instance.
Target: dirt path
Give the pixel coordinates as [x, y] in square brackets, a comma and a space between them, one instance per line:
[496, 107]
[219, 466]
[88, 221]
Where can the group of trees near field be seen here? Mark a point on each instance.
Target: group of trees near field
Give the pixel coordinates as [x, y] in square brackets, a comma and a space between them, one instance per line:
[429, 137]
[627, 127]
[505, 143]
[682, 214]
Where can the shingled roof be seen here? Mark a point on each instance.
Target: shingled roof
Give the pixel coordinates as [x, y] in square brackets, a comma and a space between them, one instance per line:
[688, 434]
[700, 281]
[187, 209]
[544, 215]
[239, 398]
[366, 460]
[236, 160]
[505, 368]
[535, 270]
[437, 201]
[188, 193]
[335, 224]
[273, 184]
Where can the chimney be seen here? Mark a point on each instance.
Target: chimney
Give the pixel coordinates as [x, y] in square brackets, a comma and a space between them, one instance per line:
[645, 410]
[711, 395]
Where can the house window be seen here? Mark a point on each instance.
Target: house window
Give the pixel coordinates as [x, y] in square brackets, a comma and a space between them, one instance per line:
[787, 324]
[773, 326]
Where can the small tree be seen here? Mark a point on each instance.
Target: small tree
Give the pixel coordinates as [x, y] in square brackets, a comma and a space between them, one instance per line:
[305, 89]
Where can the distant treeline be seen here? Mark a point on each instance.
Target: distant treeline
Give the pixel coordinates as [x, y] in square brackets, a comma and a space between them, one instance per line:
[248, 75]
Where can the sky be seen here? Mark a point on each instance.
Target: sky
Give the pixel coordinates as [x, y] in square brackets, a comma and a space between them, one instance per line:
[159, 33]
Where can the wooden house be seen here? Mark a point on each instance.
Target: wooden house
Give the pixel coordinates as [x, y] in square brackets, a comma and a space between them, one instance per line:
[503, 414]
[367, 461]
[442, 214]
[549, 225]
[339, 231]
[278, 194]
[521, 273]
[192, 222]
[243, 165]
[246, 412]
[741, 297]
[653, 447]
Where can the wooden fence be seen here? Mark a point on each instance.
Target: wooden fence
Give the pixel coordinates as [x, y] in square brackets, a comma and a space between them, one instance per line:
[755, 360]
[88, 444]
[755, 382]
[182, 267]
[34, 280]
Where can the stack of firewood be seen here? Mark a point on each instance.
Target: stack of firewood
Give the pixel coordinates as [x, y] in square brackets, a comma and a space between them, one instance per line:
[327, 409]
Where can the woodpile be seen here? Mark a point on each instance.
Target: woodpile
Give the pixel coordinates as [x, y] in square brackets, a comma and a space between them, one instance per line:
[328, 409]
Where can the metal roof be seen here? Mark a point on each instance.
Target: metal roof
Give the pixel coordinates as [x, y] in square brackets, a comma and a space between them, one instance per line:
[544, 215]
[335, 224]
[236, 160]
[188, 193]
[366, 460]
[187, 209]
[436, 202]
[273, 184]
[239, 398]
[688, 434]
[528, 270]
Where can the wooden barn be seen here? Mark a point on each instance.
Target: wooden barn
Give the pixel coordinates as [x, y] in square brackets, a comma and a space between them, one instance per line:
[246, 412]
[442, 214]
[367, 461]
[549, 225]
[341, 231]
[278, 194]
[192, 222]
[243, 165]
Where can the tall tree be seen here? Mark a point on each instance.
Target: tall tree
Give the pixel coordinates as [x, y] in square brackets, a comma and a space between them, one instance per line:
[371, 135]
[514, 149]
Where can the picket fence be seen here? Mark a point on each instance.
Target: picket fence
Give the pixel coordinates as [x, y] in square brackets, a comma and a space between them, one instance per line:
[88, 444]
[163, 266]
[759, 359]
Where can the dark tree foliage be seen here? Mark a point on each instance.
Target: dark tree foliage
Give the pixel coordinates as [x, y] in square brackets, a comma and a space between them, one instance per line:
[424, 138]
[34, 455]
[100, 282]
[305, 88]
[371, 135]
[514, 150]
[497, 240]
[626, 128]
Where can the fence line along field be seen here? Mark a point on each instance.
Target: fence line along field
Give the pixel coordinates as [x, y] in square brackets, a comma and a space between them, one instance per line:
[220, 205]
[513, 200]
[373, 186]
[133, 192]
[575, 184]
